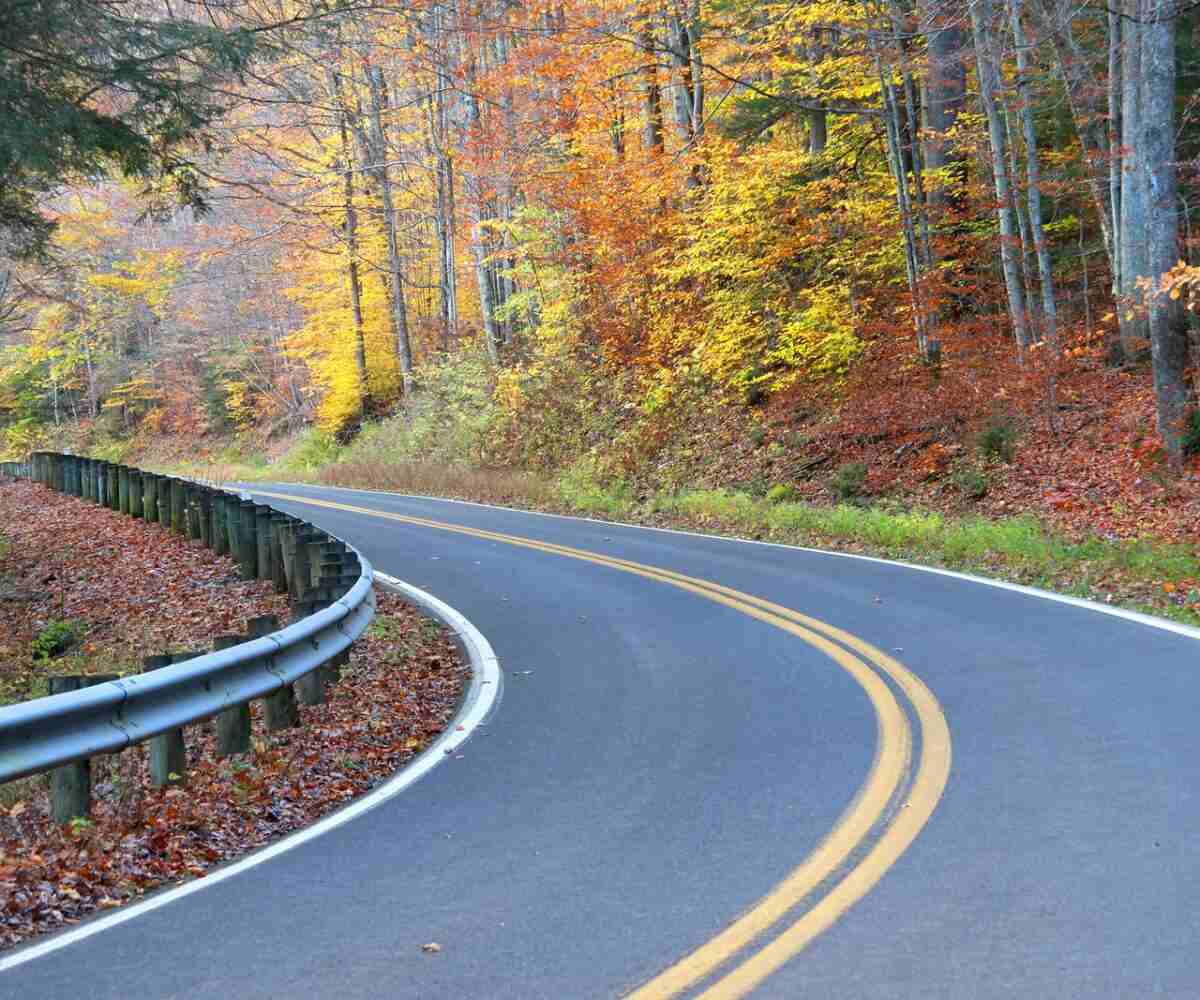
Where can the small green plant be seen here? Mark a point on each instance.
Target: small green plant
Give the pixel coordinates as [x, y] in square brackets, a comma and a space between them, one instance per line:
[54, 639]
[781, 493]
[757, 435]
[848, 481]
[79, 825]
[386, 627]
[971, 482]
[998, 439]
[1191, 434]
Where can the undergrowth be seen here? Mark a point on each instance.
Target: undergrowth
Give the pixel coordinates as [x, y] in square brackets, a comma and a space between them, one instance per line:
[1150, 575]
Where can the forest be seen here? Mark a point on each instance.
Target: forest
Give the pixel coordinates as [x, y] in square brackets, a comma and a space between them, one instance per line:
[826, 249]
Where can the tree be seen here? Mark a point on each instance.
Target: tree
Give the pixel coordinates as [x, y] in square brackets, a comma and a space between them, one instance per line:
[89, 86]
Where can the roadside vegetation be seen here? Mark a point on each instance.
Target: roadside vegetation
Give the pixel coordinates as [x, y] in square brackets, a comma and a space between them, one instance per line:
[939, 520]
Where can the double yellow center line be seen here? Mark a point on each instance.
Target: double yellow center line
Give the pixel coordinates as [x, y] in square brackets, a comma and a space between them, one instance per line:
[751, 948]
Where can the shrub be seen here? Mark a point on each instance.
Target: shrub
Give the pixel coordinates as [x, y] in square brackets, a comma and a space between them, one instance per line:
[757, 435]
[998, 439]
[312, 450]
[54, 639]
[848, 481]
[781, 493]
[971, 482]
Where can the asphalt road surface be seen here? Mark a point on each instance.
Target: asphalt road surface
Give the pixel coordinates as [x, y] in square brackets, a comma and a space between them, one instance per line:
[721, 769]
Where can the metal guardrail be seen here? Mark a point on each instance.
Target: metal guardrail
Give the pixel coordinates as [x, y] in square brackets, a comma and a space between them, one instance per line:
[332, 597]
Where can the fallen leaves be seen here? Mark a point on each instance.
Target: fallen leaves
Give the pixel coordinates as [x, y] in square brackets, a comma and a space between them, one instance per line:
[135, 588]
[396, 695]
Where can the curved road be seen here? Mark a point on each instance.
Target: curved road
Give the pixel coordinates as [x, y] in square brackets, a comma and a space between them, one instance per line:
[697, 730]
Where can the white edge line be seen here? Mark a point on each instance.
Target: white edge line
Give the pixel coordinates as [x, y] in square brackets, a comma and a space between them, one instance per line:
[481, 697]
[1080, 602]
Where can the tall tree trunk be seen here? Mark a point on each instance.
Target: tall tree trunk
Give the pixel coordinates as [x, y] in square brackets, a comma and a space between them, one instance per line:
[1033, 179]
[694, 29]
[1168, 329]
[1112, 340]
[679, 43]
[912, 256]
[477, 199]
[652, 118]
[983, 29]
[1086, 99]
[1022, 216]
[1134, 216]
[350, 232]
[395, 274]
[945, 95]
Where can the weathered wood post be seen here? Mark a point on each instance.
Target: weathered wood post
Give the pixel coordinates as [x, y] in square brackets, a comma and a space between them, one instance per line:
[192, 509]
[262, 538]
[178, 506]
[287, 550]
[167, 751]
[218, 540]
[71, 784]
[204, 512]
[86, 479]
[150, 500]
[278, 567]
[247, 550]
[111, 484]
[164, 501]
[123, 488]
[136, 494]
[233, 723]
[279, 708]
[310, 689]
[56, 472]
[300, 577]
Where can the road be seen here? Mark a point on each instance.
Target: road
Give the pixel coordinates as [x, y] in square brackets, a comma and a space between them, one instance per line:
[724, 769]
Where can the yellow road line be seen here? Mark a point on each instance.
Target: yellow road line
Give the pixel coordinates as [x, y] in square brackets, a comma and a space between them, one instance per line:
[888, 770]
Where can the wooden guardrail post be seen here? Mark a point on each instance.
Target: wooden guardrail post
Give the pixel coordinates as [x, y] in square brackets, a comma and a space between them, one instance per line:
[191, 507]
[123, 488]
[167, 751]
[71, 784]
[217, 536]
[164, 501]
[310, 688]
[150, 497]
[300, 577]
[178, 507]
[233, 524]
[233, 724]
[279, 708]
[278, 566]
[247, 539]
[262, 540]
[136, 495]
[112, 484]
[216, 527]
[204, 513]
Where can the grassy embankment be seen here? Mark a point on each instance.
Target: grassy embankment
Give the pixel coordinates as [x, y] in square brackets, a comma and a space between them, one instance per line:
[1143, 574]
